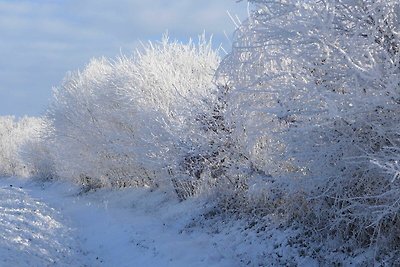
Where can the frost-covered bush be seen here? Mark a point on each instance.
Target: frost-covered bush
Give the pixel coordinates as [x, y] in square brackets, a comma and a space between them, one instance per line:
[133, 120]
[83, 132]
[296, 63]
[15, 137]
[175, 92]
[314, 106]
[37, 152]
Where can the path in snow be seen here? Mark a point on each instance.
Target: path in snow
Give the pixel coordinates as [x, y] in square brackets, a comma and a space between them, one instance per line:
[52, 225]
[31, 233]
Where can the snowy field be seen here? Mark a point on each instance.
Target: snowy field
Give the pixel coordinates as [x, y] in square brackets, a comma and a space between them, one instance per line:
[53, 225]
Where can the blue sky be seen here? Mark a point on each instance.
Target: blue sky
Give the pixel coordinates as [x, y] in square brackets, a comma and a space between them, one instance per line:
[41, 40]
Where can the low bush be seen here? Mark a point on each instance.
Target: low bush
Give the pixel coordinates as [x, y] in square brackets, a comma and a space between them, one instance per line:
[16, 135]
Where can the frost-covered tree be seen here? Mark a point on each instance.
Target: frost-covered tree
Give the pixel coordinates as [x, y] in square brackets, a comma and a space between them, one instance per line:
[133, 120]
[309, 62]
[314, 105]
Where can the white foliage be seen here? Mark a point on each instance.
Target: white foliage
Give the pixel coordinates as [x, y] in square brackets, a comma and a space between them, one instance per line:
[37, 152]
[14, 135]
[314, 106]
[298, 65]
[125, 122]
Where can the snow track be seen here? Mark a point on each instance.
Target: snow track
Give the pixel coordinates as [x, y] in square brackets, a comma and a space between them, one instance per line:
[31, 232]
[54, 225]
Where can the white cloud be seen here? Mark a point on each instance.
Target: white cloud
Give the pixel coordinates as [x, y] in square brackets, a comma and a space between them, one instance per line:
[41, 40]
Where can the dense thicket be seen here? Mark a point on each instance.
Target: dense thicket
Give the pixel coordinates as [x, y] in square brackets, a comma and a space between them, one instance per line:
[315, 108]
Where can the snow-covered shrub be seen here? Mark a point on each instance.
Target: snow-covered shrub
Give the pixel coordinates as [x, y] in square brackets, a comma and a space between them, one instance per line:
[174, 91]
[133, 120]
[82, 133]
[14, 137]
[37, 152]
[295, 63]
[314, 107]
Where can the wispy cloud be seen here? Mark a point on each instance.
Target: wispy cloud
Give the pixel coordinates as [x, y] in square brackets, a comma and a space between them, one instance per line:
[41, 40]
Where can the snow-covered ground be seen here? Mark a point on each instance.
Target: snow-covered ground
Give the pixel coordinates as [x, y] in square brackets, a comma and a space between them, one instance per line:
[54, 225]
[32, 233]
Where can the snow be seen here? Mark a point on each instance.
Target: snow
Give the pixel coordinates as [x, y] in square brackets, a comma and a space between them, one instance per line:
[31, 232]
[54, 225]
